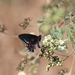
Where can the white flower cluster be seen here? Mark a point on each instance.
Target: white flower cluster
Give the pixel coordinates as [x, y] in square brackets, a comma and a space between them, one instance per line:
[47, 40]
[61, 42]
[62, 46]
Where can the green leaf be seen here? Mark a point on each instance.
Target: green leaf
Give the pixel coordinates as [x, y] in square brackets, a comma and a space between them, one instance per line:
[57, 34]
[71, 34]
[73, 23]
[63, 30]
[40, 20]
[72, 38]
[52, 29]
[73, 30]
[74, 52]
[48, 17]
[67, 17]
[68, 36]
[40, 27]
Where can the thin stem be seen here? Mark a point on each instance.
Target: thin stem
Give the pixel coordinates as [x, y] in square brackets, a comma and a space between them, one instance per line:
[68, 55]
[60, 54]
[72, 65]
[63, 21]
[66, 39]
[35, 59]
[10, 35]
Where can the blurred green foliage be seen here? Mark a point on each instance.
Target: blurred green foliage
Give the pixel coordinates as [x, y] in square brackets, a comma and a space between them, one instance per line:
[7, 1]
[59, 13]
[59, 23]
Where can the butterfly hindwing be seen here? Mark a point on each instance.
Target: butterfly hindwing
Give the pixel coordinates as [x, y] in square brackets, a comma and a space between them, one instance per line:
[31, 48]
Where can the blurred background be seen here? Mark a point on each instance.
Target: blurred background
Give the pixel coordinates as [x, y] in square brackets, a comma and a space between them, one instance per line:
[12, 13]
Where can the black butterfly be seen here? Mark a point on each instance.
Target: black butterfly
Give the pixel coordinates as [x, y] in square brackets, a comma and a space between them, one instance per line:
[31, 41]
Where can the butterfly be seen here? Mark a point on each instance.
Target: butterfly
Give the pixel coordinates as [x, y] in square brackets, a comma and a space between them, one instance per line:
[30, 40]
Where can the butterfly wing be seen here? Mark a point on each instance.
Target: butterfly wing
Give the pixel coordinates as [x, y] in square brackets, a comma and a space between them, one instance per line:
[30, 40]
[27, 38]
[31, 49]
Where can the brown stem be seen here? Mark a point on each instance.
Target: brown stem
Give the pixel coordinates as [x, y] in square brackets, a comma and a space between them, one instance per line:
[61, 54]
[10, 35]
[68, 55]
[72, 65]
[63, 21]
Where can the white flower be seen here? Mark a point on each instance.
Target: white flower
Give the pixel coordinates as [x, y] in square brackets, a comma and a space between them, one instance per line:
[49, 36]
[51, 40]
[61, 42]
[46, 38]
[61, 47]
[44, 41]
[21, 73]
[64, 46]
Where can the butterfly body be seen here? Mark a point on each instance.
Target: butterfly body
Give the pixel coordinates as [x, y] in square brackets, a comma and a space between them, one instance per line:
[30, 41]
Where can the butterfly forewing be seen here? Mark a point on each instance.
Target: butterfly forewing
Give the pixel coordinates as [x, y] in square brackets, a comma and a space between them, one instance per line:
[27, 38]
